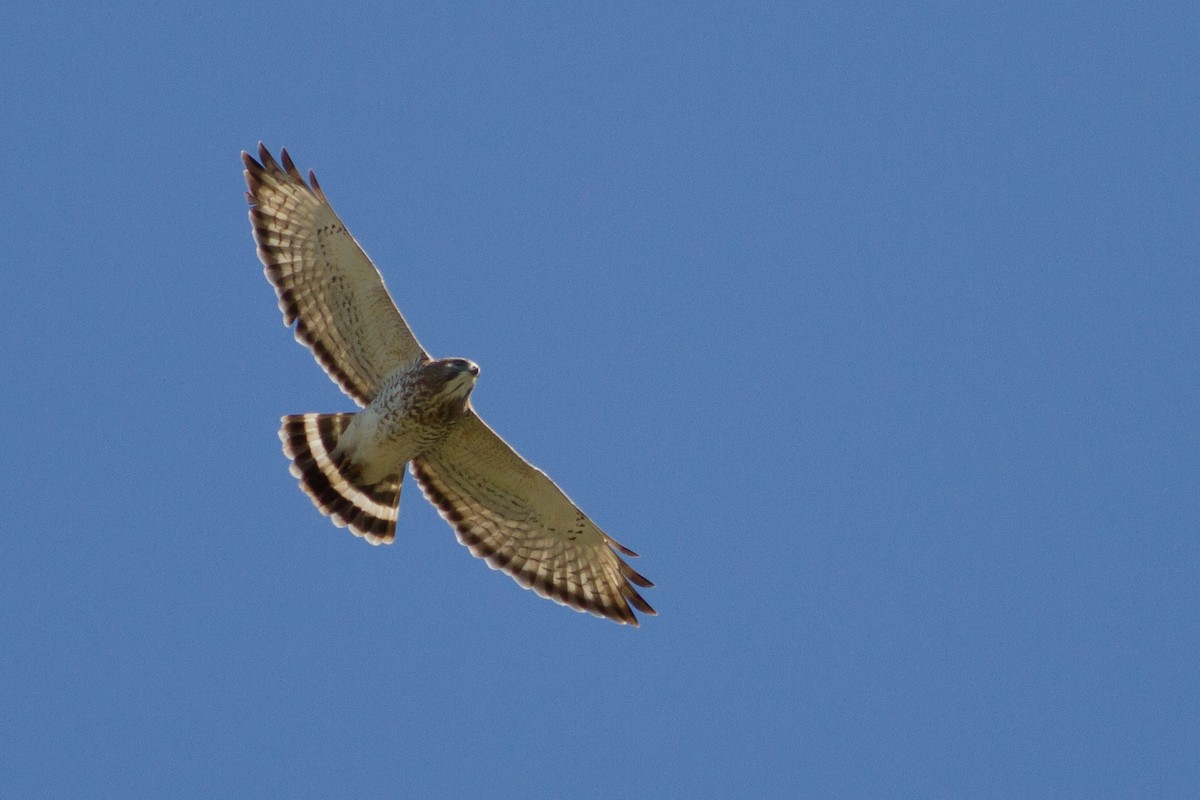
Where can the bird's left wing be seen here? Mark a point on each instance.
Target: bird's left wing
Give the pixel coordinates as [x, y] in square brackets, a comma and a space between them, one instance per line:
[325, 282]
[512, 515]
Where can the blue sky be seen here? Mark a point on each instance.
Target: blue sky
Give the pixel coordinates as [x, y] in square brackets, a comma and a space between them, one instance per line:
[873, 329]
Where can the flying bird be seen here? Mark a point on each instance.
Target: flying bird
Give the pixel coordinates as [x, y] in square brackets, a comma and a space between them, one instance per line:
[416, 412]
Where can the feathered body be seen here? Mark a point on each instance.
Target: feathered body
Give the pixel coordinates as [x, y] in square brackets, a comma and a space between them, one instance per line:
[413, 411]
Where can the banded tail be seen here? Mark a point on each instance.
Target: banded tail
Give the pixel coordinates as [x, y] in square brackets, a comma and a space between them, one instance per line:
[369, 511]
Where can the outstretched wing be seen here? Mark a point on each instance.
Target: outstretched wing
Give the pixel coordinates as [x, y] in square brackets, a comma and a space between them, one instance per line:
[325, 282]
[511, 514]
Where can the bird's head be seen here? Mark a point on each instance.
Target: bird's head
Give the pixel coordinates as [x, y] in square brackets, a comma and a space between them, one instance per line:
[451, 379]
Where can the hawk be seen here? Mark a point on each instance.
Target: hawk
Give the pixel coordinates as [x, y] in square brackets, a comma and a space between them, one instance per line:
[415, 411]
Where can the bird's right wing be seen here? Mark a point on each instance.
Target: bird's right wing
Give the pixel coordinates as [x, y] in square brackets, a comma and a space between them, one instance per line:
[509, 513]
[325, 282]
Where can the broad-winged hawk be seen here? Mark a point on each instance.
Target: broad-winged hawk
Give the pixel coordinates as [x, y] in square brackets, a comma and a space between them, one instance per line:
[416, 411]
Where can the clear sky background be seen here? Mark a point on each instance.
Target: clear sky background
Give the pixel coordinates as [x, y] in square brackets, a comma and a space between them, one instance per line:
[874, 329]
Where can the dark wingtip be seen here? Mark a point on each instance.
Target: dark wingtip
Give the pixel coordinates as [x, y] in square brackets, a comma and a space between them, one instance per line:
[289, 166]
[253, 174]
[633, 576]
[254, 170]
[640, 603]
[268, 160]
